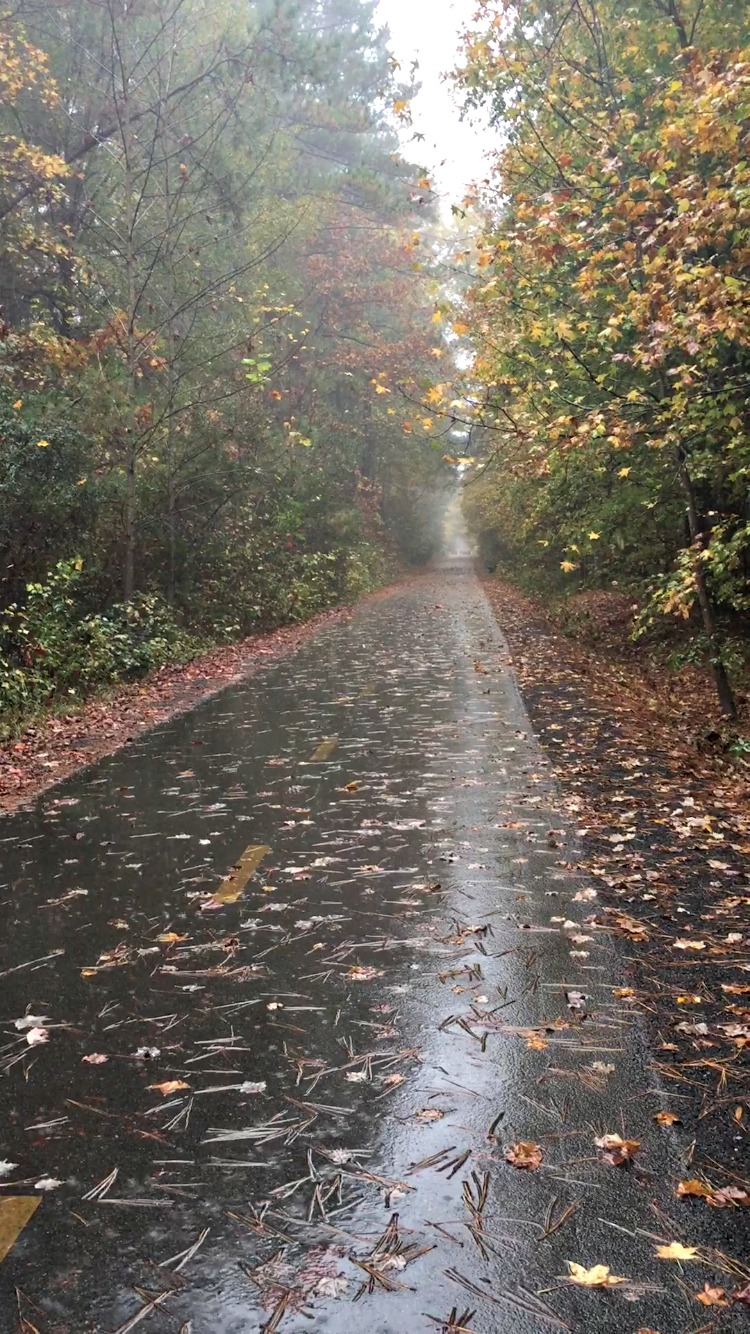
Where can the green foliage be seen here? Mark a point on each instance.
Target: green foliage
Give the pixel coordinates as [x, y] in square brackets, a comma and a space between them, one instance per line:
[208, 314]
[50, 645]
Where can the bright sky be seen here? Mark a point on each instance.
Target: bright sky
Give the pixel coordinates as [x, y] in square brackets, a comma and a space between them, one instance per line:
[428, 30]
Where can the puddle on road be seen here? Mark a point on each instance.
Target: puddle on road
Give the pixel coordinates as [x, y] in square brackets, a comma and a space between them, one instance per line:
[254, 1098]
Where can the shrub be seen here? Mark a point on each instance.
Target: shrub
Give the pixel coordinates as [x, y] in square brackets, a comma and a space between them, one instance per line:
[50, 643]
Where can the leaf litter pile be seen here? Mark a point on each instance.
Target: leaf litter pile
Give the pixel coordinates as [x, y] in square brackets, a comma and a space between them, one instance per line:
[306, 1006]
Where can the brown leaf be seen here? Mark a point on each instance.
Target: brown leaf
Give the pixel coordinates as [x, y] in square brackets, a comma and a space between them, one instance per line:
[721, 1197]
[711, 1296]
[616, 1150]
[524, 1154]
[169, 1086]
[668, 1119]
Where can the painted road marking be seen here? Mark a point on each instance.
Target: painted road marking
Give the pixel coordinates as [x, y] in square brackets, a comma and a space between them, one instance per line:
[233, 884]
[326, 749]
[15, 1212]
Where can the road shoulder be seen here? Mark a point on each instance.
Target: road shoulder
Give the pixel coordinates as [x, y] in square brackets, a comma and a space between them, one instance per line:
[665, 830]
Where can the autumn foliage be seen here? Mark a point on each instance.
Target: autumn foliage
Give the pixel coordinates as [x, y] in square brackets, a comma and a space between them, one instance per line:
[609, 315]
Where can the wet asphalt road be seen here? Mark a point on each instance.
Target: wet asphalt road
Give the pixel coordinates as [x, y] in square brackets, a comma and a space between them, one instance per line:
[406, 985]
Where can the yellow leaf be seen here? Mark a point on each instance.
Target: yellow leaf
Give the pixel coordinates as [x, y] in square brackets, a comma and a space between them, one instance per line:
[460, 328]
[676, 1251]
[594, 537]
[596, 1277]
[668, 1119]
[400, 105]
[437, 317]
[698, 1189]
[424, 183]
[624, 472]
[18, 404]
[169, 1086]
[42, 444]
[568, 566]
[536, 1043]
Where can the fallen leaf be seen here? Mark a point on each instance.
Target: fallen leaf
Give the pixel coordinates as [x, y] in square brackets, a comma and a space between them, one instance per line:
[616, 1150]
[330, 1287]
[668, 1119]
[95, 1058]
[363, 973]
[596, 1277]
[169, 1086]
[536, 1043]
[35, 1036]
[693, 1187]
[47, 1183]
[524, 1154]
[30, 1021]
[711, 1296]
[676, 1251]
[689, 945]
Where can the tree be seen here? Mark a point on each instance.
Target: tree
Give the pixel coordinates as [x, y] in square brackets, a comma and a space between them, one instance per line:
[610, 315]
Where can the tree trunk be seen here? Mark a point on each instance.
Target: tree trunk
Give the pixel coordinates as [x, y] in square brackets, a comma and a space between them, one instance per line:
[128, 582]
[723, 688]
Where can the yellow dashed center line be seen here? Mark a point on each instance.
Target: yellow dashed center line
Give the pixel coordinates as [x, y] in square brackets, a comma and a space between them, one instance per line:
[233, 884]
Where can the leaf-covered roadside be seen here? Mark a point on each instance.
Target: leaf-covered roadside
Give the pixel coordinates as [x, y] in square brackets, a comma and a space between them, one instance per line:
[57, 746]
[664, 826]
